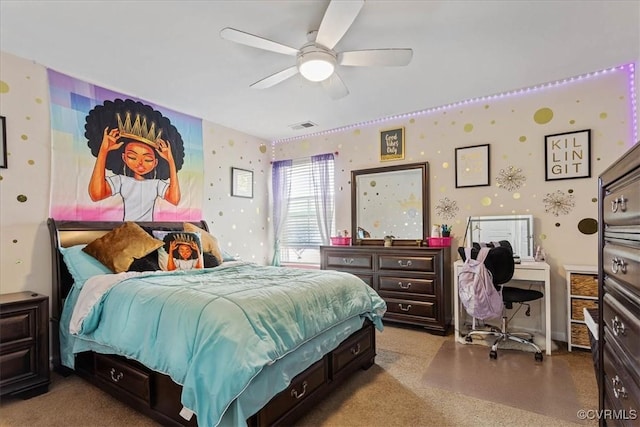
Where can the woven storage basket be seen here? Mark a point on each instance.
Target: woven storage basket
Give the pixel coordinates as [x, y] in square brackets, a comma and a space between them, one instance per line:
[580, 335]
[584, 284]
[578, 304]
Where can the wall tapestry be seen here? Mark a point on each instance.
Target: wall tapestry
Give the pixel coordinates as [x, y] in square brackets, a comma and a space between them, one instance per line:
[118, 158]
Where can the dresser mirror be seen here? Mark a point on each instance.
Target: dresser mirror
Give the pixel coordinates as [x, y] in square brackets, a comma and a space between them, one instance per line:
[516, 229]
[390, 202]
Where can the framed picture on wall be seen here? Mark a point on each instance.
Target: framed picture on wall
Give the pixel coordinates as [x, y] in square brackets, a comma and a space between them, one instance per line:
[241, 183]
[567, 155]
[3, 143]
[392, 144]
[472, 166]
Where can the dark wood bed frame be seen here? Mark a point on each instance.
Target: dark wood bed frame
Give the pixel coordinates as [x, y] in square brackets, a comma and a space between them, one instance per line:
[155, 394]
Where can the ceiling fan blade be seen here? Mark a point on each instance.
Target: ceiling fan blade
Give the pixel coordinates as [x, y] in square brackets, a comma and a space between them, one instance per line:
[276, 78]
[335, 87]
[376, 57]
[337, 19]
[241, 37]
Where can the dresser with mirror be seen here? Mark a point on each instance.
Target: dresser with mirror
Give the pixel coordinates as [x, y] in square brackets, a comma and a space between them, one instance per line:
[389, 229]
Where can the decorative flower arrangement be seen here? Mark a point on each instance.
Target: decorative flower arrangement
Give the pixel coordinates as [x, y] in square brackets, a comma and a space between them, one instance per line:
[511, 178]
[446, 208]
[558, 203]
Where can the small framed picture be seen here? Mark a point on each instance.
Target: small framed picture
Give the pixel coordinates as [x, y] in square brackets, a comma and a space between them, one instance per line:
[392, 144]
[472, 166]
[3, 143]
[567, 155]
[241, 183]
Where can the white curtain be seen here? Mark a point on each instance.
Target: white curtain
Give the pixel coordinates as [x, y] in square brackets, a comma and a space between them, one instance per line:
[321, 170]
[281, 183]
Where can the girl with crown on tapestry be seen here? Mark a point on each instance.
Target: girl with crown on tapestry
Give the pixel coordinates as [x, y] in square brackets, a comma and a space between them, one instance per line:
[145, 165]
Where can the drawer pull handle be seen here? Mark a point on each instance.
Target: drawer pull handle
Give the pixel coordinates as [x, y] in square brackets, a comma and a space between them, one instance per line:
[407, 308]
[115, 377]
[407, 264]
[618, 265]
[355, 349]
[294, 392]
[618, 327]
[404, 285]
[618, 389]
[619, 202]
[348, 261]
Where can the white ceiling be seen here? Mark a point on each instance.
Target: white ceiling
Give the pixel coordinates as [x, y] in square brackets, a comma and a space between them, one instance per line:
[170, 53]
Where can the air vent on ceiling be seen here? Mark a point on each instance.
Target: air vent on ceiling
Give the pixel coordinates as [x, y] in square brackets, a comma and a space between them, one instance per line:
[303, 125]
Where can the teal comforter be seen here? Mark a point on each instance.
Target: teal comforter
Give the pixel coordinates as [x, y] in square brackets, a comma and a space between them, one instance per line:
[215, 330]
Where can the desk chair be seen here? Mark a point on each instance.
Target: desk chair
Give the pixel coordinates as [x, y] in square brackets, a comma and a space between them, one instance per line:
[500, 263]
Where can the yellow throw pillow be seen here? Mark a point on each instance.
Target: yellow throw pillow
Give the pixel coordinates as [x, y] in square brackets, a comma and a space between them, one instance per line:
[209, 242]
[118, 248]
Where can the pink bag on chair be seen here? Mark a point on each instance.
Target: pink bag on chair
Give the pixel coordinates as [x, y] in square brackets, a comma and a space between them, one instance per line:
[477, 293]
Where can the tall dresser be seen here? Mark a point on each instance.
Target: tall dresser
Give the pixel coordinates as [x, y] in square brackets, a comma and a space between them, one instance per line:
[618, 367]
[415, 282]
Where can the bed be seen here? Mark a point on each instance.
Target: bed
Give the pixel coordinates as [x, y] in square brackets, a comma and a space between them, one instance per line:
[237, 344]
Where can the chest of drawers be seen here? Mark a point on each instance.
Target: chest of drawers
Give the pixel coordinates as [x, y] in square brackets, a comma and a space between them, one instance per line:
[24, 344]
[618, 367]
[415, 282]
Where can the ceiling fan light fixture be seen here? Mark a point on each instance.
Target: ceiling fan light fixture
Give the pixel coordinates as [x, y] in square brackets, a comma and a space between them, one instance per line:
[316, 64]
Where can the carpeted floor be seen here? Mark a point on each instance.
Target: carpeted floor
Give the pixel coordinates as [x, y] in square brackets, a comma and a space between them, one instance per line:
[418, 380]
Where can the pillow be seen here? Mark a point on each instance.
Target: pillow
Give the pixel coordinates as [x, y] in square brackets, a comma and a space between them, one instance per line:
[209, 260]
[118, 248]
[187, 250]
[148, 262]
[209, 242]
[81, 265]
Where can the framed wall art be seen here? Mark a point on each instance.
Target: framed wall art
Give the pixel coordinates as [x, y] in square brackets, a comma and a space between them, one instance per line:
[472, 166]
[392, 144]
[567, 155]
[3, 143]
[241, 183]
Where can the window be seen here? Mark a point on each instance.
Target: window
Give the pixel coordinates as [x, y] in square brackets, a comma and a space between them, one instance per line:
[309, 219]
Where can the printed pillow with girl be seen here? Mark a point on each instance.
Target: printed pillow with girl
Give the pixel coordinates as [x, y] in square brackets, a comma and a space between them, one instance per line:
[181, 250]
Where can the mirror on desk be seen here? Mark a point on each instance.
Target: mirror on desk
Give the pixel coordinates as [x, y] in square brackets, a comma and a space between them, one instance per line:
[517, 229]
[390, 201]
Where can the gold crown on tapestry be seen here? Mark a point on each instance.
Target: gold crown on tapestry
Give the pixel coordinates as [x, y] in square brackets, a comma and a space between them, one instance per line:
[138, 130]
[183, 238]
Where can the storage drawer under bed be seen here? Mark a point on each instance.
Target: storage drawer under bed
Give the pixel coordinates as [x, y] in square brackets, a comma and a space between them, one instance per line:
[357, 345]
[301, 389]
[123, 376]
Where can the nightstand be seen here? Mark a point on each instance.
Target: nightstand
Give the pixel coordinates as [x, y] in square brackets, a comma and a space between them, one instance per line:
[24, 344]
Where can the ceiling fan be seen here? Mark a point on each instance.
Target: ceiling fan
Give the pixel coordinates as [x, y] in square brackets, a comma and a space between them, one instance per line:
[316, 60]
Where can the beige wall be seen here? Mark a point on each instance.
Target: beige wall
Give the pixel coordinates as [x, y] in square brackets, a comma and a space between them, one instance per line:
[25, 258]
[601, 103]
[515, 127]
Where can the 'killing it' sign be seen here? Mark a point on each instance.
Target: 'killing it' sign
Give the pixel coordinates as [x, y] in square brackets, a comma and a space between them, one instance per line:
[568, 155]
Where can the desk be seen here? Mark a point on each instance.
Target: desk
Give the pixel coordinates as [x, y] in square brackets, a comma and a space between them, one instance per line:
[536, 272]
